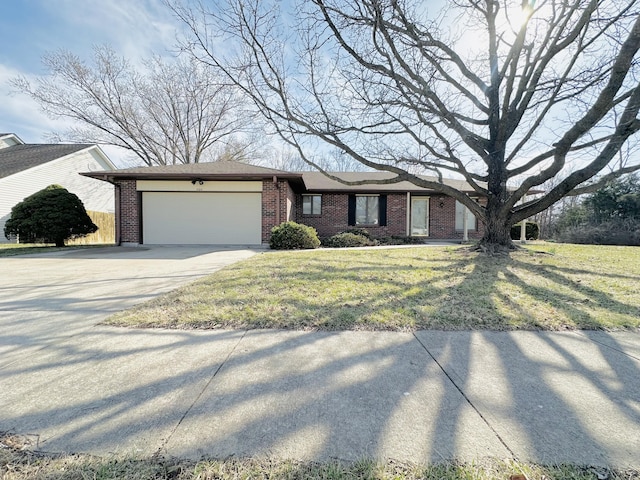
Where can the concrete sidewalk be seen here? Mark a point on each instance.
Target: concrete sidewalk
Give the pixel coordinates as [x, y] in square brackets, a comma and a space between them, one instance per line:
[423, 397]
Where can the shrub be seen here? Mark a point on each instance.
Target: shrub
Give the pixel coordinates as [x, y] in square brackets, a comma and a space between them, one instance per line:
[608, 233]
[348, 239]
[51, 215]
[359, 231]
[532, 231]
[406, 240]
[293, 236]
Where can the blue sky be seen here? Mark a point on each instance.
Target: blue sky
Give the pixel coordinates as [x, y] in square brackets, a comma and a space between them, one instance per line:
[30, 28]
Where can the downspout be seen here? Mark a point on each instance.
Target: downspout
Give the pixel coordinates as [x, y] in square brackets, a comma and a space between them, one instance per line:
[117, 215]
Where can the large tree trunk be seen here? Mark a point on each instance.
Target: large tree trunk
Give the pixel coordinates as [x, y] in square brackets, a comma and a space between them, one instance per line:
[497, 232]
[59, 242]
[497, 222]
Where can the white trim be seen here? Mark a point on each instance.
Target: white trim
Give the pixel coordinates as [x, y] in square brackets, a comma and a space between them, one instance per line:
[196, 185]
[428, 219]
[408, 222]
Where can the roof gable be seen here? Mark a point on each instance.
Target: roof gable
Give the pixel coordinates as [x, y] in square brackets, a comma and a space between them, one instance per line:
[17, 158]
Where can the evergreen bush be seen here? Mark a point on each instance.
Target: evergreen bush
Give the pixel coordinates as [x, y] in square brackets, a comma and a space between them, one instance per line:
[52, 215]
[293, 236]
[348, 239]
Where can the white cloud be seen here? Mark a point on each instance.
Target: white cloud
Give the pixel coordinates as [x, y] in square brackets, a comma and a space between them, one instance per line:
[133, 28]
[20, 114]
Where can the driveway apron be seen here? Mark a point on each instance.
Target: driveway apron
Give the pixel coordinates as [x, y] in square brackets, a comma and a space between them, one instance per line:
[45, 298]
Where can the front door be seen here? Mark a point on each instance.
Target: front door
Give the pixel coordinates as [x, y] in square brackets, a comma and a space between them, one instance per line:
[420, 216]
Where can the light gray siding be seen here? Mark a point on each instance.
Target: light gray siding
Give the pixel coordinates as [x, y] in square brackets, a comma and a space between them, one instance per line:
[95, 194]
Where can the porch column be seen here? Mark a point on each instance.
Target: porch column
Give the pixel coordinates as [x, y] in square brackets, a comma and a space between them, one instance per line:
[465, 226]
[408, 214]
[523, 225]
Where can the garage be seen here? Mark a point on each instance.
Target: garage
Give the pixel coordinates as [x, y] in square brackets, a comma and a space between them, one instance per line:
[191, 218]
[212, 203]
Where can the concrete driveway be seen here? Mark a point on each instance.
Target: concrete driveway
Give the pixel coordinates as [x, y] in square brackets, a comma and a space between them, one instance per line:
[45, 298]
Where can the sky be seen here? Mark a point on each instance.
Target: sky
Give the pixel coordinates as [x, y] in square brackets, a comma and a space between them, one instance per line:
[30, 28]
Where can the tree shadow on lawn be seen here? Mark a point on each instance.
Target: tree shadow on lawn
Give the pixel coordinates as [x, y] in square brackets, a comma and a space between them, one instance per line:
[463, 291]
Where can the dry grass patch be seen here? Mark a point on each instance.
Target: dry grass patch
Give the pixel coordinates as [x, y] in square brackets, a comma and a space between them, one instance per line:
[543, 286]
[13, 249]
[23, 465]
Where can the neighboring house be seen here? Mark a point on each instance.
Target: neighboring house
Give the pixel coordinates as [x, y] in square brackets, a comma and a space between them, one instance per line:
[28, 168]
[237, 203]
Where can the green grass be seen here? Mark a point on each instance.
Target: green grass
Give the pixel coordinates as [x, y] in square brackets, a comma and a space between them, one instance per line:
[544, 286]
[23, 465]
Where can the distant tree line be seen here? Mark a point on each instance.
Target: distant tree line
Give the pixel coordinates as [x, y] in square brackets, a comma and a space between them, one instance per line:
[609, 216]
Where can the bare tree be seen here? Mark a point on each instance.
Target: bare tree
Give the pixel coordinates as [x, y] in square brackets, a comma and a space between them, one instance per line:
[505, 94]
[172, 112]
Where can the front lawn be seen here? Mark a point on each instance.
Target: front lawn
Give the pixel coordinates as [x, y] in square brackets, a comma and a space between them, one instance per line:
[544, 286]
[13, 249]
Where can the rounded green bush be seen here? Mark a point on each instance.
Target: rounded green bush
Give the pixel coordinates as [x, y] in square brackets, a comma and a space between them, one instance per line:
[293, 236]
[51, 215]
[348, 239]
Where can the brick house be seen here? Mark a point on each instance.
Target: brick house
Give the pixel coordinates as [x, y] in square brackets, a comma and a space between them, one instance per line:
[239, 204]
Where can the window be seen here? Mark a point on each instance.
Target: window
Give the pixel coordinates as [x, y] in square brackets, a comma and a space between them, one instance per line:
[311, 204]
[471, 219]
[370, 210]
[367, 210]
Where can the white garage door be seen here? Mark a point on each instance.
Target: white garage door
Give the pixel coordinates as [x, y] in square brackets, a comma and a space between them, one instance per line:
[202, 218]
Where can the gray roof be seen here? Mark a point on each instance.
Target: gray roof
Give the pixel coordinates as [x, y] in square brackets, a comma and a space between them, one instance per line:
[17, 158]
[313, 181]
[222, 170]
[318, 182]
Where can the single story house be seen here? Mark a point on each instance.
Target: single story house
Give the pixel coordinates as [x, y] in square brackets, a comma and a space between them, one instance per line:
[27, 168]
[236, 203]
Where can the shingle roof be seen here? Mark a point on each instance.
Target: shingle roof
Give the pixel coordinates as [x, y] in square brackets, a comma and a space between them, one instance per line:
[222, 170]
[17, 158]
[208, 168]
[318, 182]
[313, 181]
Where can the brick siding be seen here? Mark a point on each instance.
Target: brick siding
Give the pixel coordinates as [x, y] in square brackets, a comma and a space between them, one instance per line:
[280, 204]
[442, 220]
[334, 217]
[129, 212]
[274, 205]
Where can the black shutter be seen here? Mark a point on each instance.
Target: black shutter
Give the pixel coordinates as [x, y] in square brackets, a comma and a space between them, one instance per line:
[382, 205]
[351, 215]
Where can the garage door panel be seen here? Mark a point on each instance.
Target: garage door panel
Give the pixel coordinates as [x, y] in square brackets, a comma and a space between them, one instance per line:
[202, 218]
